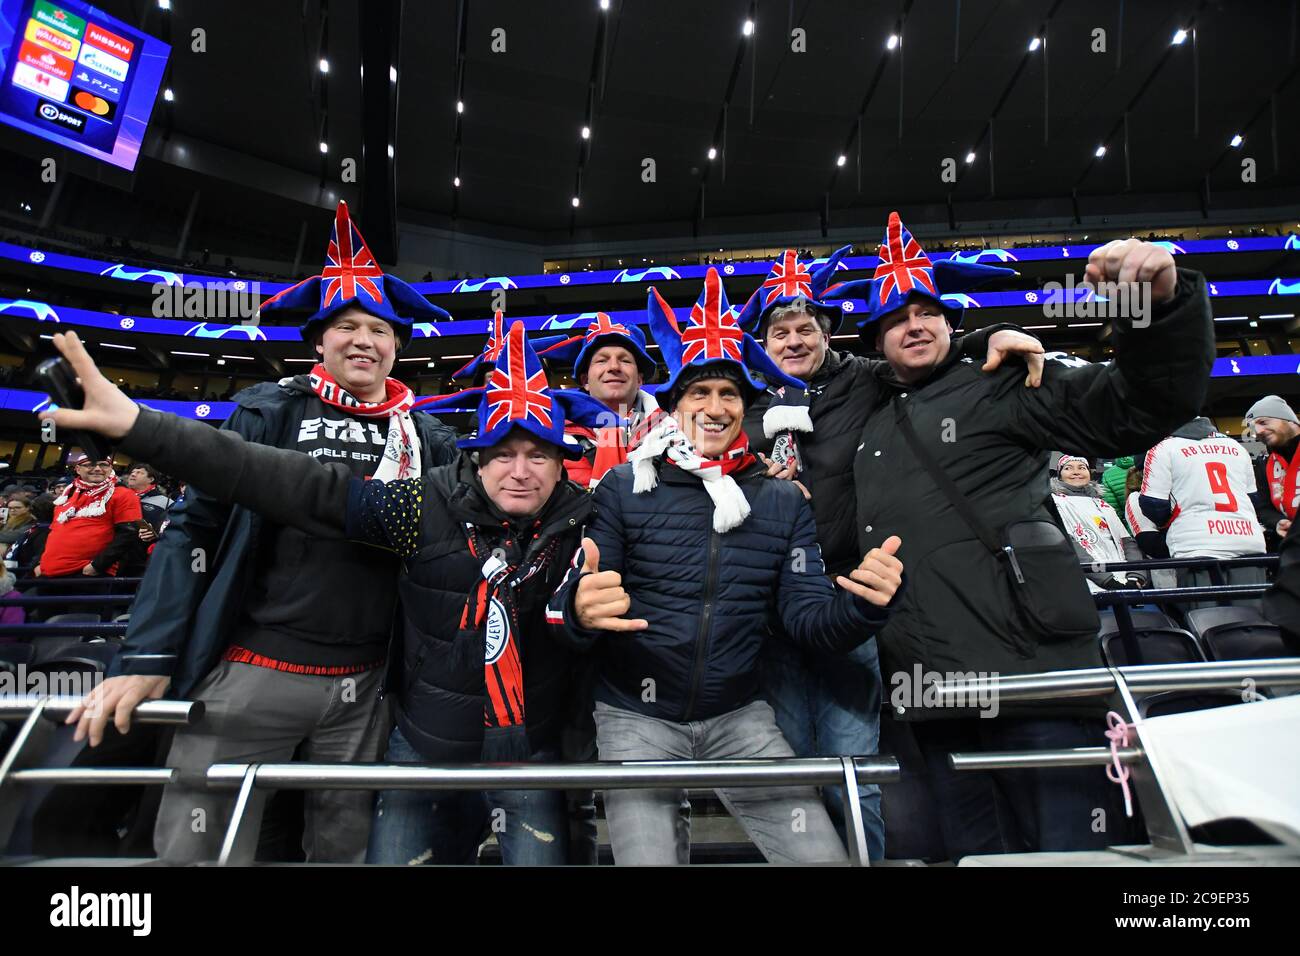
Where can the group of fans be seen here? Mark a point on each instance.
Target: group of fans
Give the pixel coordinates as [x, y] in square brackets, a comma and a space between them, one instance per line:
[721, 564]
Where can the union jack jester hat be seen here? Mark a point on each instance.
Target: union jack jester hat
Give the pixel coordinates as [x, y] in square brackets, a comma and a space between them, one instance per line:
[517, 395]
[352, 276]
[906, 272]
[710, 336]
[479, 366]
[793, 282]
[578, 350]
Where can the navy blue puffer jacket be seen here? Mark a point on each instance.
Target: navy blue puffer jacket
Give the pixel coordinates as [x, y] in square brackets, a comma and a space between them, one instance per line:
[709, 598]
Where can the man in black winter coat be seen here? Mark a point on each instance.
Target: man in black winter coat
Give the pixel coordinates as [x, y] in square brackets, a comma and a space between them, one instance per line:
[485, 540]
[704, 552]
[829, 704]
[282, 634]
[972, 607]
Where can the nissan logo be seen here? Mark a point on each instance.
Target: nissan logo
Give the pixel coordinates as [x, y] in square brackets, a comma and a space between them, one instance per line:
[49, 111]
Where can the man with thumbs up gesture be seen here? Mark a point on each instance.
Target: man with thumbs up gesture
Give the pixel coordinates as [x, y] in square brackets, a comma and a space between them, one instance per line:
[601, 601]
[695, 554]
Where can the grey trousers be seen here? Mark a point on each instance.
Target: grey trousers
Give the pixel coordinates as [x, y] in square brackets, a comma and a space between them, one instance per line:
[787, 824]
[259, 715]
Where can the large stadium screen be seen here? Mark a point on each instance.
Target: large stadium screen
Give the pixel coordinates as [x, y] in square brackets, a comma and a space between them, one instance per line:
[75, 76]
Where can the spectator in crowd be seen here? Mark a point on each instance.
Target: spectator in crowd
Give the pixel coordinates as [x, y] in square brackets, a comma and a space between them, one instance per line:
[1277, 474]
[94, 526]
[610, 363]
[10, 614]
[1113, 480]
[26, 551]
[59, 485]
[702, 551]
[19, 518]
[828, 705]
[1150, 537]
[143, 480]
[484, 679]
[1095, 530]
[955, 463]
[268, 625]
[1199, 485]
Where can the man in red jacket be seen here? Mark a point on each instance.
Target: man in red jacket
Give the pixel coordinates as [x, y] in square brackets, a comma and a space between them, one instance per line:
[95, 523]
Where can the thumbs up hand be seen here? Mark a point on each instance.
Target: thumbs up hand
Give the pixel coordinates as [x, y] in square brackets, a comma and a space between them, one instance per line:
[879, 575]
[601, 601]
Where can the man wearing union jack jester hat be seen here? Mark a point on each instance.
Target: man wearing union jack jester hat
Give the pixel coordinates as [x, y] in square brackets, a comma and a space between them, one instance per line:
[694, 553]
[484, 539]
[955, 461]
[261, 620]
[611, 363]
[828, 705]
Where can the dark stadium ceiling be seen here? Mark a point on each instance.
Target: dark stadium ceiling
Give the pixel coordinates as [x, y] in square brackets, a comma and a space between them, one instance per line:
[658, 72]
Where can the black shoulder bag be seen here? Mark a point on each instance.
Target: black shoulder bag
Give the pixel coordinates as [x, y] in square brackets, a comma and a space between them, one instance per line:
[1047, 585]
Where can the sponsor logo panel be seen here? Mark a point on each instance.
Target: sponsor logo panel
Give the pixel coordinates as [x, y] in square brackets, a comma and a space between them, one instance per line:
[103, 62]
[52, 39]
[65, 119]
[30, 78]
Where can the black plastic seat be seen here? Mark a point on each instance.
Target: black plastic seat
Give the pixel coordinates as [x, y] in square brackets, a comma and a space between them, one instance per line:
[1155, 645]
[46, 646]
[83, 658]
[75, 617]
[1142, 618]
[1238, 634]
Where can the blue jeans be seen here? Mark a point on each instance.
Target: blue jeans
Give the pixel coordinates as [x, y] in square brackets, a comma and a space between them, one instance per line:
[417, 826]
[828, 705]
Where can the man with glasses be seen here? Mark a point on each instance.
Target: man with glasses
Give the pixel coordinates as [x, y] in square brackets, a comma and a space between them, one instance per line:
[94, 525]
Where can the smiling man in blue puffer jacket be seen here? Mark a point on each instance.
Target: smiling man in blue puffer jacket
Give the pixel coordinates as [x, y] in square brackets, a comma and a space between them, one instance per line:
[693, 553]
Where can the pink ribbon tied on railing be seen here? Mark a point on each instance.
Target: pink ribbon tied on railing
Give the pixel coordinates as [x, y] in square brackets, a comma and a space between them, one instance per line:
[1117, 731]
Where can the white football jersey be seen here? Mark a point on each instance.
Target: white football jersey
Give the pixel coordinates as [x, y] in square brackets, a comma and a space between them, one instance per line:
[1208, 483]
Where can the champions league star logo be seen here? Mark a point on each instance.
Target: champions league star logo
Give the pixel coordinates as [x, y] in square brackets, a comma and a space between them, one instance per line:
[478, 285]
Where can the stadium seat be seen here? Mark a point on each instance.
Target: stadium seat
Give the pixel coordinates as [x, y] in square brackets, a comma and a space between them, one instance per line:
[1237, 634]
[81, 658]
[1142, 618]
[1155, 645]
[46, 646]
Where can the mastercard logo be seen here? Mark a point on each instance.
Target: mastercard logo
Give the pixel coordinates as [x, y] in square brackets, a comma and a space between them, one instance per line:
[91, 103]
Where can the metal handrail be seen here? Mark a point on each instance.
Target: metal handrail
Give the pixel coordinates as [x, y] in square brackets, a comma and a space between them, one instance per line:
[1100, 681]
[73, 580]
[1179, 595]
[70, 629]
[173, 712]
[627, 775]
[71, 600]
[1149, 564]
[1046, 759]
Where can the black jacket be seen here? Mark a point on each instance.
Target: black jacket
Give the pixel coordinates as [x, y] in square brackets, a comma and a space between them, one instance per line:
[841, 395]
[443, 695]
[188, 605]
[1265, 510]
[993, 437]
[1282, 601]
[710, 598]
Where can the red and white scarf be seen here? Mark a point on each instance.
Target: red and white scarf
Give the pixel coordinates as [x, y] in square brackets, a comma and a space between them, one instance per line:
[730, 506]
[402, 450]
[92, 504]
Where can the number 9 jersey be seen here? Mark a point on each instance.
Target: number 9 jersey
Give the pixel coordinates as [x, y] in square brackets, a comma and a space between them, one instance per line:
[1207, 480]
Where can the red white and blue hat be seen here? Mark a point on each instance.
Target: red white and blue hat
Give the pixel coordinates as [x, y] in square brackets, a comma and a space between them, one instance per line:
[352, 276]
[791, 281]
[578, 350]
[478, 367]
[517, 395]
[710, 336]
[905, 272]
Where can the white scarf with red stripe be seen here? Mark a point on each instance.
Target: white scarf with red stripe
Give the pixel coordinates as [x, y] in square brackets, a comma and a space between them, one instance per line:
[94, 501]
[402, 450]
